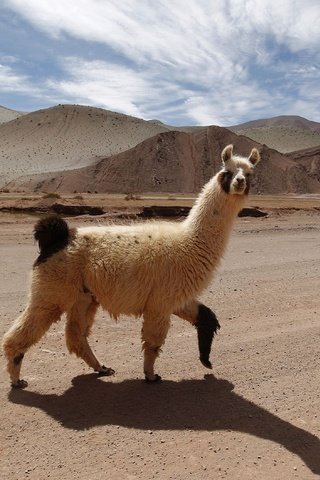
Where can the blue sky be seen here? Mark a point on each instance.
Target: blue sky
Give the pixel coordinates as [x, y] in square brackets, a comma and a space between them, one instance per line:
[184, 62]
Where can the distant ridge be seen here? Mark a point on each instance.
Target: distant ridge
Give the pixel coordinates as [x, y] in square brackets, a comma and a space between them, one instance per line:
[6, 114]
[284, 133]
[280, 121]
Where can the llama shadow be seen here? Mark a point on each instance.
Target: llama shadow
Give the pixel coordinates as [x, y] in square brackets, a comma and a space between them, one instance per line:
[209, 404]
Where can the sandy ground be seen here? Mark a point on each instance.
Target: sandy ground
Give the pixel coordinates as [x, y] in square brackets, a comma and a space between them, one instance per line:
[254, 416]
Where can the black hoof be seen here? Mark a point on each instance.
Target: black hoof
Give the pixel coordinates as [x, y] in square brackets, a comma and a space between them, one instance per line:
[155, 380]
[207, 326]
[206, 363]
[106, 372]
[20, 384]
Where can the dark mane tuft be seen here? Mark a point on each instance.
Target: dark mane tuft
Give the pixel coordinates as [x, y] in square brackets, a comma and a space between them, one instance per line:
[52, 233]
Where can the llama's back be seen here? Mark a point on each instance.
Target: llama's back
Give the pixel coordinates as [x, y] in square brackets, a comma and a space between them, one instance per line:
[128, 266]
[155, 229]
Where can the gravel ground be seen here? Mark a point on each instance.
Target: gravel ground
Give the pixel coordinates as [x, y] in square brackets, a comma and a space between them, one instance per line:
[255, 416]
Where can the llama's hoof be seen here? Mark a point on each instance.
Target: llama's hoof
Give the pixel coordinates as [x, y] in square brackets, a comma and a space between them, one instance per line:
[207, 326]
[19, 384]
[106, 372]
[156, 379]
[206, 363]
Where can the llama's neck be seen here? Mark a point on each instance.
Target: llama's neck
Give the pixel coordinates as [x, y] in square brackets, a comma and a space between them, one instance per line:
[211, 218]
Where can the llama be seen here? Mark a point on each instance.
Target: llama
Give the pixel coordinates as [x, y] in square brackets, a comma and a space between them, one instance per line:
[153, 270]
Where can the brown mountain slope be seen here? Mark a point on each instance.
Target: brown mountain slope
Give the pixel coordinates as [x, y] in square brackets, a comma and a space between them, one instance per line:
[66, 137]
[309, 160]
[284, 133]
[176, 162]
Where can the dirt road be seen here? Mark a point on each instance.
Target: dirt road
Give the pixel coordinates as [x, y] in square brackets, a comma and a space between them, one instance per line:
[256, 415]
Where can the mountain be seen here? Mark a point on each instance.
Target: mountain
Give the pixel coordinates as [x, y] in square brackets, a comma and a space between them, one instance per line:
[308, 160]
[176, 162]
[66, 137]
[71, 148]
[284, 133]
[280, 121]
[6, 114]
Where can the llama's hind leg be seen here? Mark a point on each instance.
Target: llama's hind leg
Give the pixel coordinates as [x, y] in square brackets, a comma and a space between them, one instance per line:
[79, 321]
[153, 335]
[27, 329]
[207, 325]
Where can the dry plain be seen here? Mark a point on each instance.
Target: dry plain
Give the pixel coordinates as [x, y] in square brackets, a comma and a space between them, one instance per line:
[255, 416]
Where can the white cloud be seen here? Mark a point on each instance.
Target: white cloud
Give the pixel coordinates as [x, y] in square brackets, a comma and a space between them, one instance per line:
[291, 22]
[10, 59]
[112, 86]
[201, 61]
[171, 30]
[227, 104]
[10, 81]
[143, 94]
[116, 87]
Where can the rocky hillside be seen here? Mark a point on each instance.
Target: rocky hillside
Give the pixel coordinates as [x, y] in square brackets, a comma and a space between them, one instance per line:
[67, 137]
[6, 114]
[177, 162]
[284, 133]
[71, 148]
[307, 160]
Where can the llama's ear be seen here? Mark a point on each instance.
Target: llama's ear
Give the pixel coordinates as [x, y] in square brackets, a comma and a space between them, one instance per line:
[254, 157]
[226, 154]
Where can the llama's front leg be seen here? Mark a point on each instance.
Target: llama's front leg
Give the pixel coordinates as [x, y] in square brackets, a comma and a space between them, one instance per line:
[79, 321]
[206, 324]
[153, 335]
[27, 329]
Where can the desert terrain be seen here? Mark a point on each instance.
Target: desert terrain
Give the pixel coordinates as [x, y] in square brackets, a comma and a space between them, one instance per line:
[77, 148]
[284, 133]
[6, 114]
[66, 137]
[254, 416]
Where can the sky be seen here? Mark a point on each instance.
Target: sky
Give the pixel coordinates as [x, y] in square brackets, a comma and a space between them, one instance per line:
[183, 62]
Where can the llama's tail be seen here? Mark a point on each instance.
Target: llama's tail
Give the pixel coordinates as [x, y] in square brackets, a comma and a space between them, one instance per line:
[52, 233]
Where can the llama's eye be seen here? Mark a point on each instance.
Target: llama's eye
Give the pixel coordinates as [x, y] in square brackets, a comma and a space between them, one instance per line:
[225, 180]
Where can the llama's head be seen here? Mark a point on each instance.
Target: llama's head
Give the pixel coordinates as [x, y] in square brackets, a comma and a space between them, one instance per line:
[235, 176]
